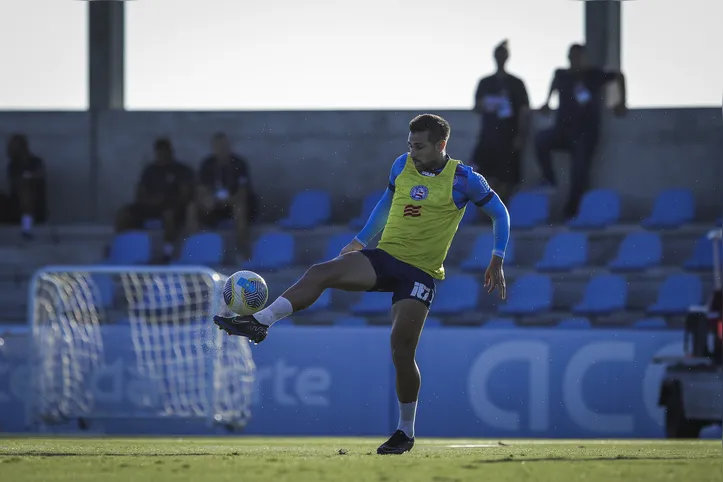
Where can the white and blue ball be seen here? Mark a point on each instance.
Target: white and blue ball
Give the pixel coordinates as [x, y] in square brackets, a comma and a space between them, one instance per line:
[245, 293]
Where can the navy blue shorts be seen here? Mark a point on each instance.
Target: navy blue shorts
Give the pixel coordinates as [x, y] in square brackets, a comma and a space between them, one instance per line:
[403, 280]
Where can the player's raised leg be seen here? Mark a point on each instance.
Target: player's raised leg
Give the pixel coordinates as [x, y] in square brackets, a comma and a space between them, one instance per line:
[349, 272]
[408, 317]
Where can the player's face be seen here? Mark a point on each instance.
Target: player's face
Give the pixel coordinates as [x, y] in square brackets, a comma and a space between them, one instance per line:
[221, 146]
[423, 152]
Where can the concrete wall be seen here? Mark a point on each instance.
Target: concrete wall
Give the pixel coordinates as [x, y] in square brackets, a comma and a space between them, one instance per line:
[347, 153]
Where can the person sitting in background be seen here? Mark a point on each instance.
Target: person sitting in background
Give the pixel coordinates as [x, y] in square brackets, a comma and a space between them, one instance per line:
[223, 193]
[164, 192]
[26, 203]
[577, 123]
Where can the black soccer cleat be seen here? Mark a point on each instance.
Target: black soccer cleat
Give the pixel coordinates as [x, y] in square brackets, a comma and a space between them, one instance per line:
[246, 326]
[398, 443]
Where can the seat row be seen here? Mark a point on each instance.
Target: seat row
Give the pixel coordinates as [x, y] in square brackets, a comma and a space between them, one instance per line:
[564, 251]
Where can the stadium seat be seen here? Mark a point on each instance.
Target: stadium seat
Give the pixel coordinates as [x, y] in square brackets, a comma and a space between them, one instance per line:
[129, 248]
[637, 252]
[104, 294]
[564, 251]
[574, 324]
[599, 208]
[529, 294]
[702, 256]
[479, 257]
[336, 243]
[500, 324]
[529, 210]
[604, 294]
[309, 209]
[372, 303]
[456, 294]
[470, 215]
[650, 324]
[368, 205]
[323, 303]
[272, 251]
[677, 293]
[166, 291]
[350, 321]
[672, 208]
[201, 249]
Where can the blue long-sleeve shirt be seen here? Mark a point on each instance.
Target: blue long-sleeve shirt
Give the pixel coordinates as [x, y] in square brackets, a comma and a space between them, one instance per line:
[469, 186]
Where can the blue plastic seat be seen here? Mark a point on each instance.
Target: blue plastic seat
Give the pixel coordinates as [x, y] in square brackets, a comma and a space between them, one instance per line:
[201, 249]
[309, 209]
[368, 205]
[702, 256]
[677, 293]
[130, 248]
[564, 251]
[604, 294]
[323, 303]
[103, 290]
[637, 252]
[650, 324]
[529, 210]
[470, 216]
[529, 294]
[372, 303]
[599, 208]
[456, 294]
[479, 257]
[672, 209]
[574, 324]
[271, 252]
[152, 224]
[165, 291]
[335, 244]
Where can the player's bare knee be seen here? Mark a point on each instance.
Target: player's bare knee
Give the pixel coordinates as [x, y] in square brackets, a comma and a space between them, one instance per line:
[404, 346]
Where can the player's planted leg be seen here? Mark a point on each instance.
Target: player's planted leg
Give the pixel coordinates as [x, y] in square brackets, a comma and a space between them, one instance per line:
[408, 320]
[349, 272]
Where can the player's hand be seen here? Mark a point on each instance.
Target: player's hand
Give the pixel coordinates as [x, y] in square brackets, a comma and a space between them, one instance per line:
[495, 277]
[353, 246]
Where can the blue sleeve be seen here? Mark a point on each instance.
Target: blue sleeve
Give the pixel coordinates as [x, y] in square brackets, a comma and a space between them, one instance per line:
[480, 193]
[378, 218]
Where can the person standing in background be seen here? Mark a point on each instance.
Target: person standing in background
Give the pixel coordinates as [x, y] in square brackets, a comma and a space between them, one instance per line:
[502, 101]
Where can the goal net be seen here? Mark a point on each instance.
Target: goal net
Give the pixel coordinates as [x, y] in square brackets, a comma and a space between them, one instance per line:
[134, 342]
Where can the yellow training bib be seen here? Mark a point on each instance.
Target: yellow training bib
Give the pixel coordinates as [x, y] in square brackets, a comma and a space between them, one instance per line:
[423, 218]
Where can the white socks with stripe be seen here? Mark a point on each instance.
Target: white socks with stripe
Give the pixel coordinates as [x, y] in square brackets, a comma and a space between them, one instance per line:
[407, 414]
[280, 308]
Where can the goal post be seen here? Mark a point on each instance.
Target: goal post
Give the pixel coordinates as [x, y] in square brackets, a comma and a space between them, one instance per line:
[134, 342]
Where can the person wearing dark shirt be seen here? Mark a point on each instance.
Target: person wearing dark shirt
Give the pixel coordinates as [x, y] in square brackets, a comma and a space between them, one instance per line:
[222, 193]
[576, 129]
[26, 203]
[164, 192]
[502, 101]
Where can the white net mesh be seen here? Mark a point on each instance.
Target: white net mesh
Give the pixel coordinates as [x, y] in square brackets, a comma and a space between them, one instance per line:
[155, 323]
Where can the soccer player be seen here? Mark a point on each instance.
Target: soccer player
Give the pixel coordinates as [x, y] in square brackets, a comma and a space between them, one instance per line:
[419, 213]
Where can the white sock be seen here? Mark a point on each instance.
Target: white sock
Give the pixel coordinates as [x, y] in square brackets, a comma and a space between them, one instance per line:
[168, 249]
[280, 308]
[26, 222]
[407, 414]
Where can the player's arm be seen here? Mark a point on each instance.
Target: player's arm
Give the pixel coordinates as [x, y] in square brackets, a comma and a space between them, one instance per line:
[378, 218]
[479, 193]
[553, 89]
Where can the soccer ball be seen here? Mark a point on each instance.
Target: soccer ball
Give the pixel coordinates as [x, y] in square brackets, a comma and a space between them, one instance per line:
[245, 293]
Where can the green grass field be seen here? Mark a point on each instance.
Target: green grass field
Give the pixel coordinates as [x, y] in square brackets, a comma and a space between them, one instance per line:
[354, 459]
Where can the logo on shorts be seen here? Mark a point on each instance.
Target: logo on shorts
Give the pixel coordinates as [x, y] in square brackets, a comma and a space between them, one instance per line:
[412, 210]
[419, 193]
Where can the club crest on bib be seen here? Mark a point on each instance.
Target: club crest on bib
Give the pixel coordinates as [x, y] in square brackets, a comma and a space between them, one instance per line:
[419, 193]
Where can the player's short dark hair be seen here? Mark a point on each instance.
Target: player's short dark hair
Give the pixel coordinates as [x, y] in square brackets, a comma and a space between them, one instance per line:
[576, 48]
[437, 128]
[162, 143]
